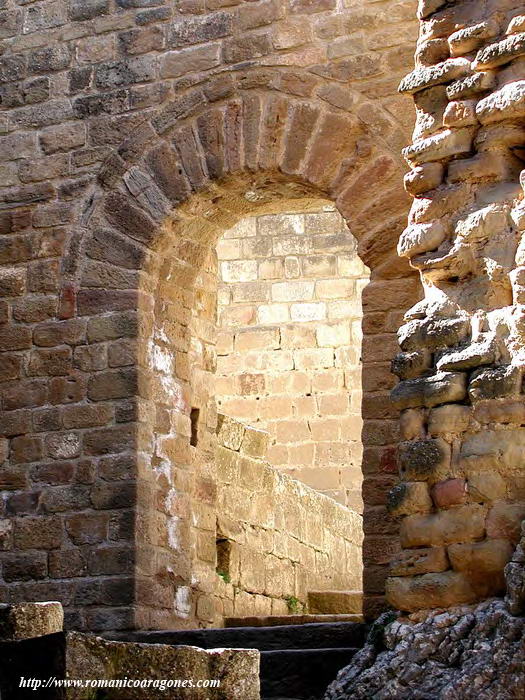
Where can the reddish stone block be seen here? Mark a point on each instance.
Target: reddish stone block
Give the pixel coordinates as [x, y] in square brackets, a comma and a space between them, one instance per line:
[15, 422]
[24, 567]
[87, 528]
[70, 389]
[115, 384]
[53, 473]
[24, 394]
[109, 440]
[451, 492]
[105, 496]
[25, 449]
[14, 337]
[59, 333]
[38, 533]
[10, 367]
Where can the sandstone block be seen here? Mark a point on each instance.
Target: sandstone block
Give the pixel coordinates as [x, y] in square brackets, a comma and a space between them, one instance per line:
[471, 86]
[504, 521]
[422, 238]
[30, 620]
[482, 563]
[440, 146]
[450, 419]
[503, 411]
[409, 365]
[460, 113]
[516, 25]
[255, 442]
[497, 383]
[408, 498]
[433, 333]
[474, 355]
[411, 562]
[461, 524]
[485, 486]
[433, 590]
[469, 39]
[506, 103]
[89, 656]
[424, 177]
[423, 78]
[412, 424]
[501, 52]
[443, 387]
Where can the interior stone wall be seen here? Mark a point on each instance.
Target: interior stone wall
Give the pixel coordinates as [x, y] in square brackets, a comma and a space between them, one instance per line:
[133, 134]
[279, 538]
[462, 426]
[289, 344]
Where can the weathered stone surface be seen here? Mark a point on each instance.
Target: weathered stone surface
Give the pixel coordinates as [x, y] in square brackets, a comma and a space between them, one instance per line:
[443, 590]
[433, 333]
[409, 497]
[506, 103]
[421, 238]
[29, 620]
[448, 419]
[93, 657]
[408, 365]
[442, 387]
[502, 52]
[411, 562]
[483, 564]
[444, 72]
[515, 578]
[440, 146]
[462, 524]
[474, 355]
[424, 460]
[467, 651]
[498, 383]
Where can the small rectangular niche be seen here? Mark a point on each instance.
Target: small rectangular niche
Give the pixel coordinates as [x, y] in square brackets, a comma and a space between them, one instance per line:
[194, 418]
[224, 550]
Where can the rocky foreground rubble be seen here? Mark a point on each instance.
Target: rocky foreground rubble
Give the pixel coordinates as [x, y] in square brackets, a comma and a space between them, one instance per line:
[461, 653]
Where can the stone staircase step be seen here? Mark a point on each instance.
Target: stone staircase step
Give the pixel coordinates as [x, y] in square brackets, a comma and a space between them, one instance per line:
[335, 602]
[302, 674]
[308, 636]
[279, 620]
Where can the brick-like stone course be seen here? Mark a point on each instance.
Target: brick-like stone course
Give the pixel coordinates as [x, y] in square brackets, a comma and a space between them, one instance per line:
[289, 358]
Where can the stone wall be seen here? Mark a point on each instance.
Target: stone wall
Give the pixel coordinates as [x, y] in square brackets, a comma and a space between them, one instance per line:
[462, 491]
[134, 134]
[276, 539]
[289, 348]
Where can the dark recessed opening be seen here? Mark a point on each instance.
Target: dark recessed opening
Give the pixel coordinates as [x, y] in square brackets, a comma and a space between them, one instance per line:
[194, 417]
[224, 548]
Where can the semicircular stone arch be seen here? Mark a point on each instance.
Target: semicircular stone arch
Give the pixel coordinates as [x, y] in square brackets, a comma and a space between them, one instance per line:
[141, 270]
